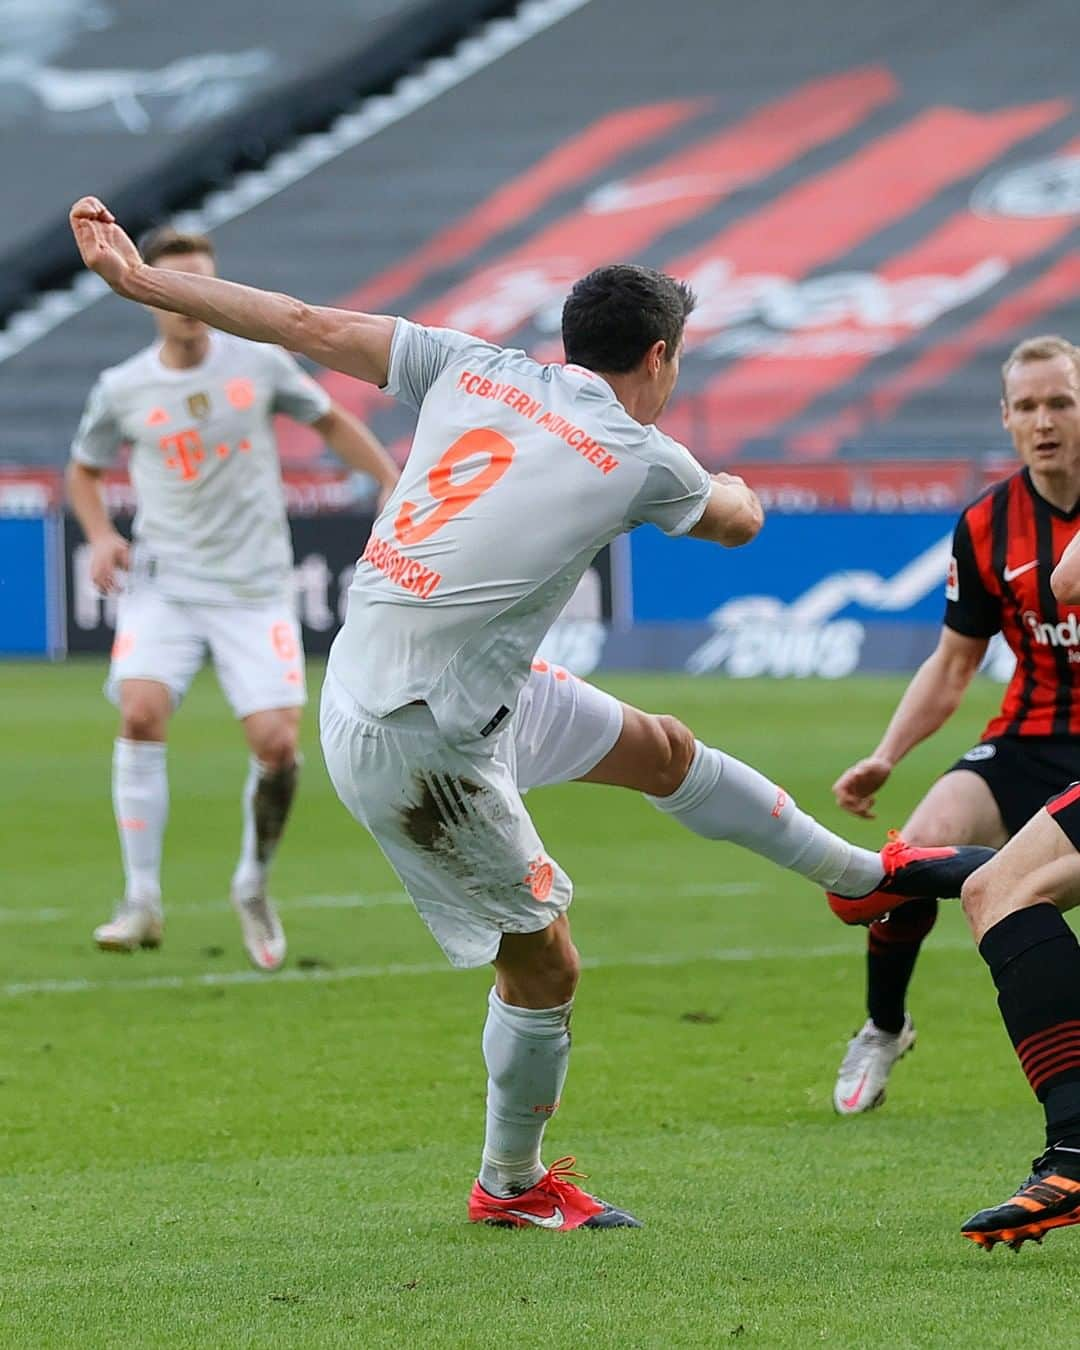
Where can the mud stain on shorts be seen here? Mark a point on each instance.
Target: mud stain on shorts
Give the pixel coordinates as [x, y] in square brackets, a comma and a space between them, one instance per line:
[443, 809]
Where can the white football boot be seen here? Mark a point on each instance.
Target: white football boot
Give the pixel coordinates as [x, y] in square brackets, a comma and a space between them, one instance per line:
[264, 937]
[132, 925]
[871, 1053]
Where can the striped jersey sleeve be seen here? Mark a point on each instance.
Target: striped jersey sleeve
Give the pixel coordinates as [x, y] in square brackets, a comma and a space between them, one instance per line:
[971, 608]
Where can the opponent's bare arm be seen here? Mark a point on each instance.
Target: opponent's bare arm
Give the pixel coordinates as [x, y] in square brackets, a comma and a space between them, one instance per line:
[1065, 578]
[357, 446]
[733, 515]
[931, 698]
[109, 550]
[355, 344]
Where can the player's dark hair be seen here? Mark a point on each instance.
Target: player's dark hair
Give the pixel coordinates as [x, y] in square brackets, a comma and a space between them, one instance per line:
[166, 242]
[614, 315]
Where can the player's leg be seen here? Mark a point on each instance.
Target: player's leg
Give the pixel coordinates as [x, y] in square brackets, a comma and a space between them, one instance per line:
[527, 1054]
[567, 729]
[1014, 905]
[564, 728]
[273, 737]
[719, 797]
[960, 808]
[259, 662]
[455, 829]
[155, 656]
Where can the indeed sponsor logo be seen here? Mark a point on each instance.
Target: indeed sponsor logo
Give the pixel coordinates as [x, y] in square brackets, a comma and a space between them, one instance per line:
[1063, 634]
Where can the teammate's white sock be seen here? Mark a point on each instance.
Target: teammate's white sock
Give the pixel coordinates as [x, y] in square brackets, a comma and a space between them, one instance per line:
[267, 798]
[526, 1051]
[723, 798]
[140, 788]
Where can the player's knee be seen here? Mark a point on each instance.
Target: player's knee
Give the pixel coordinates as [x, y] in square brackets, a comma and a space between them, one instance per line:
[674, 755]
[538, 970]
[562, 975]
[277, 747]
[977, 895]
[143, 719]
[556, 972]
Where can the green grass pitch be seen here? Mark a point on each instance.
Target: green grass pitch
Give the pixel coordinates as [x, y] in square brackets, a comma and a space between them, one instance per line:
[197, 1156]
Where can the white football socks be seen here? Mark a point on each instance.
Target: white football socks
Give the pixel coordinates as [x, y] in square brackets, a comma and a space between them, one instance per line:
[527, 1051]
[140, 788]
[723, 798]
[266, 800]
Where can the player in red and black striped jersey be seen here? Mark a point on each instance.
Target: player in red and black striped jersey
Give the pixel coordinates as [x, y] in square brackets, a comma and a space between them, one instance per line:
[1005, 547]
[1014, 905]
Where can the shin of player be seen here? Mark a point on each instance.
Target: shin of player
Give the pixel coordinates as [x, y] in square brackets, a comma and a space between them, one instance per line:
[527, 1052]
[140, 792]
[717, 796]
[272, 778]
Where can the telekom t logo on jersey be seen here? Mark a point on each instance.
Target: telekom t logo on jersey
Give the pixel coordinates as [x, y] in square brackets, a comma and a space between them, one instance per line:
[185, 450]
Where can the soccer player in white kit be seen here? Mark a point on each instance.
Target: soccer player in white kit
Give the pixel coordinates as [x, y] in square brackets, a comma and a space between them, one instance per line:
[211, 567]
[435, 717]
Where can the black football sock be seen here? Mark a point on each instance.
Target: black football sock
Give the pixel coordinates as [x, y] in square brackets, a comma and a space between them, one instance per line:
[892, 949]
[1034, 958]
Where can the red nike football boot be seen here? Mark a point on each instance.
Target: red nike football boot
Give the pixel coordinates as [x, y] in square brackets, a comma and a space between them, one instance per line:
[911, 873]
[553, 1203]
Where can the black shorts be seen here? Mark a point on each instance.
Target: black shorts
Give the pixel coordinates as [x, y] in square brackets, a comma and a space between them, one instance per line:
[1065, 808]
[1023, 772]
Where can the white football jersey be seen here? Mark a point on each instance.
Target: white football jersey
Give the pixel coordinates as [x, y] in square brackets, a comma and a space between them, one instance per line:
[518, 474]
[211, 520]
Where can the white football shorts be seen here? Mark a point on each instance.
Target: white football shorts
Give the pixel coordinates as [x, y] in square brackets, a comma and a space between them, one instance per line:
[256, 648]
[451, 820]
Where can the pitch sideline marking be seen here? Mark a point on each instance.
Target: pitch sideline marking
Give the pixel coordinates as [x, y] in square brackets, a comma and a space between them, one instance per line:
[291, 975]
[379, 899]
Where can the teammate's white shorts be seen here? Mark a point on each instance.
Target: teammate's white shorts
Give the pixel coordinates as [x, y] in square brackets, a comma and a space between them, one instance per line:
[451, 820]
[256, 648]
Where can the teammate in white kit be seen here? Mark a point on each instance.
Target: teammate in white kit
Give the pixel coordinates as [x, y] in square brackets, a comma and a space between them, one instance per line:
[210, 568]
[434, 717]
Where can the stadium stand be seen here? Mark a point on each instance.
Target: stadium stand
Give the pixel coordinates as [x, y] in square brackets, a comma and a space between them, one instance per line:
[863, 248]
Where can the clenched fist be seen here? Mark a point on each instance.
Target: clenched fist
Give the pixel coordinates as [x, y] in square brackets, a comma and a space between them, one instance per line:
[855, 788]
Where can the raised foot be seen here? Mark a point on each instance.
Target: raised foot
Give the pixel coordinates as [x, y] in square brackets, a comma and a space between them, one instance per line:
[911, 873]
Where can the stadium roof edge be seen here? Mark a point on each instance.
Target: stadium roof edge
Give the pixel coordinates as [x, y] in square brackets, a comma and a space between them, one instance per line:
[39, 281]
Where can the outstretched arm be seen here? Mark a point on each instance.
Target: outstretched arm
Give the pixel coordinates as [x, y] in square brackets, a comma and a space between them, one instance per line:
[355, 344]
[931, 698]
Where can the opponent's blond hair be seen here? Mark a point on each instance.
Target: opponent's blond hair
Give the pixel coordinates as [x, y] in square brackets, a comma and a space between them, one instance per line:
[1043, 348]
